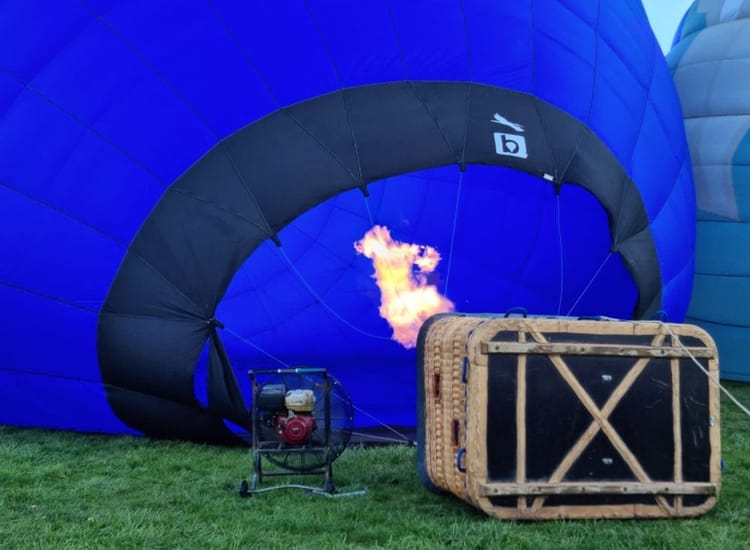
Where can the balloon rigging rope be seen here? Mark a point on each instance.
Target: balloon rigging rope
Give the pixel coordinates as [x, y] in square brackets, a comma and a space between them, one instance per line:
[322, 302]
[255, 346]
[453, 232]
[370, 437]
[369, 212]
[562, 258]
[401, 436]
[585, 290]
[705, 371]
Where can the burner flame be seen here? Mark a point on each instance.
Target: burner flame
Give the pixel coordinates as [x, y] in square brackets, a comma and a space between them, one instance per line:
[401, 273]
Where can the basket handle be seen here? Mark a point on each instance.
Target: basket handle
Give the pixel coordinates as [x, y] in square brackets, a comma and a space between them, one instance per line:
[460, 459]
[520, 310]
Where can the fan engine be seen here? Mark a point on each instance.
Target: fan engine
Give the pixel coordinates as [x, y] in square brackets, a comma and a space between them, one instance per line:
[302, 420]
[290, 413]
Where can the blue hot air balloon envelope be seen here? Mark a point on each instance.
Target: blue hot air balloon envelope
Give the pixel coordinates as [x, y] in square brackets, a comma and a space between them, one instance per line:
[182, 187]
[710, 59]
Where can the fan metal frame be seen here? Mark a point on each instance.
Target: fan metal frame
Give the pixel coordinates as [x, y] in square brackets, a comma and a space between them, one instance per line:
[314, 458]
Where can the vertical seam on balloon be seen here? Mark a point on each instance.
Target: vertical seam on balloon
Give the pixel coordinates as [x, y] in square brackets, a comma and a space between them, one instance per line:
[624, 185]
[203, 121]
[535, 100]
[392, 19]
[469, 86]
[658, 116]
[646, 102]
[469, 60]
[686, 163]
[268, 230]
[202, 315]
[555, 172]
[585, 129]
[283, 109]
[243, 51]
[596, 62]
[356, 178]
[224, 209]
[85, 125]
[161, 77]
[667, 284]
[532, 28]
[342, 91]
[412, 85]
[434, 119]
[360, 174]
[624, 182]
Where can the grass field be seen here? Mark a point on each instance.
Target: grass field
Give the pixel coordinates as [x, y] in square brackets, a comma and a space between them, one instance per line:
[63, 490]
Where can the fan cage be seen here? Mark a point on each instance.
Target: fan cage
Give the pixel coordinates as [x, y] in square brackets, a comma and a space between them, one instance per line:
[333, 413]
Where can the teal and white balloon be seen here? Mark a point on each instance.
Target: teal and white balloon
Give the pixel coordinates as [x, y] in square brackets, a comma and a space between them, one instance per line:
[710, 61]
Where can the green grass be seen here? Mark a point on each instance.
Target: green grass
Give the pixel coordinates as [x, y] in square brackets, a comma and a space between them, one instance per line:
[63, 490]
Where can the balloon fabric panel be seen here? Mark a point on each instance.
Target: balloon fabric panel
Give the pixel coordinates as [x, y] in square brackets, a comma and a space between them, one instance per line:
[171, 175]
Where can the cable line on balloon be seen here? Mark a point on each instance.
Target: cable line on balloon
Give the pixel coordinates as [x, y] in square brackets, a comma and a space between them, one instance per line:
[588, 285]
[321, 300]
[284, 364]
[449, 263]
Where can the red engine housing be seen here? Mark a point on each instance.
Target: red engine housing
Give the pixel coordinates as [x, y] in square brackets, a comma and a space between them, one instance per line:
[295, 429]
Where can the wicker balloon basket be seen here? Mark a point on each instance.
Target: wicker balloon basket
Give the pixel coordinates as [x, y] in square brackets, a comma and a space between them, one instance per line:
[545, 418]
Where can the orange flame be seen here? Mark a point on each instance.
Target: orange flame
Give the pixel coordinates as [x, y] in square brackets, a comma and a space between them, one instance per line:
[401, 269]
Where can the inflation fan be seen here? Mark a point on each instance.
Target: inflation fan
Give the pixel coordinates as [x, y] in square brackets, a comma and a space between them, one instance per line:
[302, 420]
